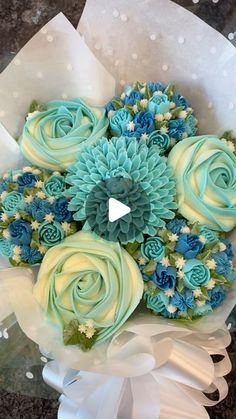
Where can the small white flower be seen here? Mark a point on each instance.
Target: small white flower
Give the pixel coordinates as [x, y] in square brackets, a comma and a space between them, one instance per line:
[3, 195]
[173, 237]
[30, 114]
[173, 142]
[16, 258]
[82, 328]
[89, 323]
[49, 217]
[131, 126]
[17, 250]
[15, 177]
[164, 130]
[41, 195]
[17, 216]
[5, 176]
[200, 303]
[135, 108]
[222, 247]
[211, 284]
[203, 239]
[56, 173]
[89, 333]
[180, 274]
[144, 103]
[35, 225]
[4, 217]
[142, 261]
[27, 169]
[66, 226]
[170, 293]
[231, 145]
[197, 292]
[142, 90]
[36, 172]
[29, 199]
[185, 230]
[6, 234]
[51, 199]
[144, 136]
[189, 109]
[171, 309]
[167, 116]
[159, 93]
[122, 96]
[39, 184]
[42, 249]
[183, 114]
[184, 135]
[211, 264]
[165, 261]
[172, 105]
[159, 117]
[180, 263]
[110, 114]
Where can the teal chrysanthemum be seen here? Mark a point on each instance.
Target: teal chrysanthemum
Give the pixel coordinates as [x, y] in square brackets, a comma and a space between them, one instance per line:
[124, 158]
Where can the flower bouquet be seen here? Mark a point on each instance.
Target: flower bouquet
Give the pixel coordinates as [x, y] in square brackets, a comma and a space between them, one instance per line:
[132, 307]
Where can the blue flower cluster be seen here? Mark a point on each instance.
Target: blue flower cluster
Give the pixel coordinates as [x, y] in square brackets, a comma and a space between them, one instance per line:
[186, 268]
[152, 112]
[34, 214]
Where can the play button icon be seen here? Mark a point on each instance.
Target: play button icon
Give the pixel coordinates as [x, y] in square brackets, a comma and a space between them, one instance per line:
[117, 210]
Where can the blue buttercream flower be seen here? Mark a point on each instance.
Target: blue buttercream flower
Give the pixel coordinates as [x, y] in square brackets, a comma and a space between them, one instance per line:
[176, 129]
[155, 87]
[217, 296]
[156, 303]
[54, 185]
[39, 208]
[210, 235]
[191, 125]
[169, 315]
[159, 104]
[183, 301]
[146, 170]
[30, 255]
[119, 121]
[132, 97]
[21, 232]
[51, 234]
[13, 202]
[3, 185]
[189, 245]
[153, 248]
[223, 265]
[27, 180]
[229, 248]
[5, 247]
[176, 224]
[144, 124]
[196, 274]
[110, 105]
[161, 139]
[60, 209]
[180, 101]
[164, 277]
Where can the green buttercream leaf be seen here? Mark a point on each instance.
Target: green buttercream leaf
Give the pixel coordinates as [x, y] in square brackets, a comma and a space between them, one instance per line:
[72, 336]
[36, 106]
[130, 109]
[180, 285]
[150, 268]
[175, 112]
[132, 248]
[117, 104]
[147, 93]
[170, 90]
[138, 86]
[205, 293]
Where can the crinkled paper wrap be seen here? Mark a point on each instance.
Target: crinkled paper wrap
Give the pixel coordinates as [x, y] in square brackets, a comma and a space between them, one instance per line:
[123, 41]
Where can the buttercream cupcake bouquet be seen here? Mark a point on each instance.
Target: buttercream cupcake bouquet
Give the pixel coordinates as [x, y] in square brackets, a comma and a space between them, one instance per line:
[169, 256]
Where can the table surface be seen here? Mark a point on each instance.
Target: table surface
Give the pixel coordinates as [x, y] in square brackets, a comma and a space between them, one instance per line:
[20, 20]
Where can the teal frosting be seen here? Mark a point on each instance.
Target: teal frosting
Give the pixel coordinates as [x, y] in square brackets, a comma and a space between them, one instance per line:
[51, 139]
[51, 233]
[13, 202]
[159, 104]
[54, 186]
[157, 302]
[5, 247]
[119, 121]
[196, 274]
[162, 140]
[209, 234]
[205, 170]
[153, 249]
[88, 278]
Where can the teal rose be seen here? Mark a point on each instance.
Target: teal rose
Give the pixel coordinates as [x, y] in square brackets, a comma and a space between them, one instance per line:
[119, 121]
[159, 104]
[196, 274]
[153, 249]
[52, 138]
[51, 234]
[13, 202]
[162, 140]
[210, 235]
[5, 247]
[54, 186]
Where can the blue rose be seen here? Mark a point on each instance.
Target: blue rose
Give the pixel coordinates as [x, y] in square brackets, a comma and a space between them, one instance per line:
[176, 129]
[60, 209]
[157, 302]
[155, 87]
[133, 97]
[30, 255]
[223, 265]
[191, 125]
[13, 202]
[51, 234]
[5, 247]
[168, 315]
[153, 249]
[183, 301]
[217, 296]
[160, 139]
[180, 101]
[54, 186]
[159, 104]
[119, 121]
[110, 106]
[189, 245]
[209, 234]
[229, 248]
[21, 232]
[39, 208]
[176, 224]
[3, 185]
[196, 274]
[164, 278]
[27, 180]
